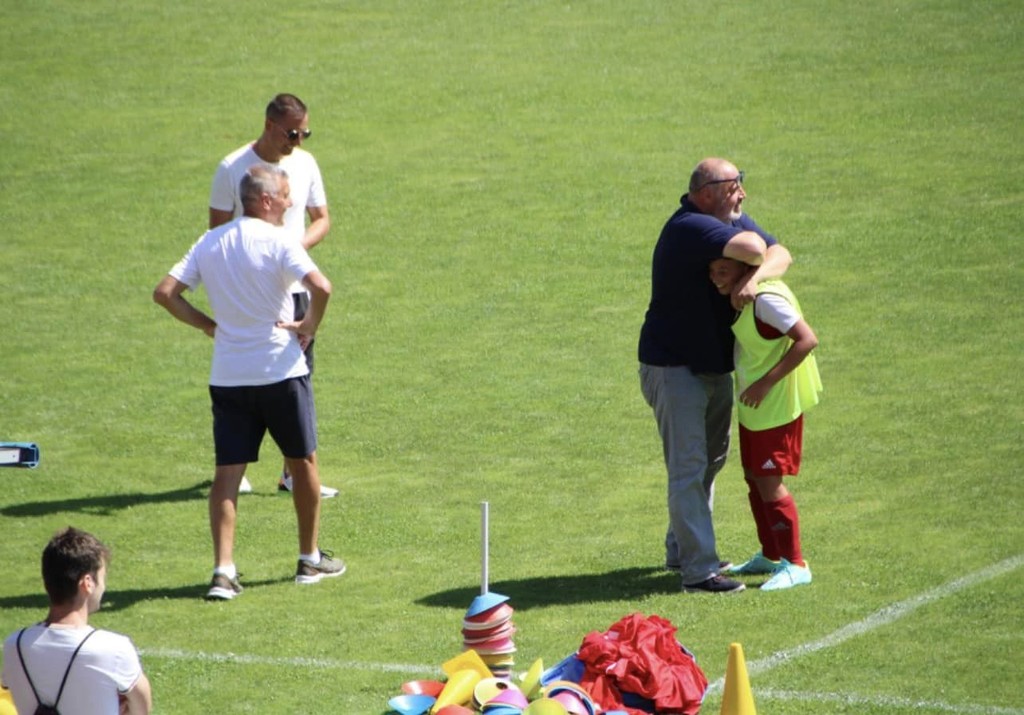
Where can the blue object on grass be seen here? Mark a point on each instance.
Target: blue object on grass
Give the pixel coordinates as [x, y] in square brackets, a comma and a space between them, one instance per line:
[485, 602]
[19, 454]
[569, 668]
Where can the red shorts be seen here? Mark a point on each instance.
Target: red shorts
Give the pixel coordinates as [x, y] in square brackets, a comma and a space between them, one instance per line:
[772, 452]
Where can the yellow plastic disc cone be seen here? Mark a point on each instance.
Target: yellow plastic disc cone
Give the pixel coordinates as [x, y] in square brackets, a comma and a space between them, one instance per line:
[531, 681]
[7, 703]
[458, 690]
[487, 689]
[469, 660]
[545, 706]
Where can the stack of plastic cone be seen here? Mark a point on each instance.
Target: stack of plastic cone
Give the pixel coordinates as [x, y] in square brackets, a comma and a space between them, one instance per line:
[737, 698]
[487, 629]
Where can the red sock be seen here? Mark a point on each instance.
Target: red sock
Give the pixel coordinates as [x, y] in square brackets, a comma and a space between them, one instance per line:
[785, 525]
[769, 544]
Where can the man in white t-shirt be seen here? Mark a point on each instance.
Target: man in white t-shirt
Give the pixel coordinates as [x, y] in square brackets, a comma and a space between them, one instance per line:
[259, 379]
[104, 675]
[285, 126]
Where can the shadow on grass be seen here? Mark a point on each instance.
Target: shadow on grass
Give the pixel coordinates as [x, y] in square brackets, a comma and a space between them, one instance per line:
[107, 504]
[118, 600]
[621, 585]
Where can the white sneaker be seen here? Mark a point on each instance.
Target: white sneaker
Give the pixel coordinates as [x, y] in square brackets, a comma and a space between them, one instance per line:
[284, 484]
[245, 487]
[787, 575]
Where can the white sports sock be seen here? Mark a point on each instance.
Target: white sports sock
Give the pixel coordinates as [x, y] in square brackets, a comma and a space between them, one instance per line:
[230, 571]
[311, 558]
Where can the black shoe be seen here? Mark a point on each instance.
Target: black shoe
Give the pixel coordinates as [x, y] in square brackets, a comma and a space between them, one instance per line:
[715, 584]
[223, 588]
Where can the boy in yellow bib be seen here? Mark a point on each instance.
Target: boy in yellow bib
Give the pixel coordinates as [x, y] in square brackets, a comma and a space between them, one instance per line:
[777, 381]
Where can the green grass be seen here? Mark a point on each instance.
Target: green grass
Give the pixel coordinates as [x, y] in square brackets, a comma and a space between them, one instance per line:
[497, 175]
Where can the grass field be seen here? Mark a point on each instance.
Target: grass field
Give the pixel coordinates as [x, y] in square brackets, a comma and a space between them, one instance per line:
[497, 176]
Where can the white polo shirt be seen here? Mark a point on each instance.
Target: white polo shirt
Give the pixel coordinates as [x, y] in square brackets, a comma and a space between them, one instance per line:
[248, 266]
[304, 180]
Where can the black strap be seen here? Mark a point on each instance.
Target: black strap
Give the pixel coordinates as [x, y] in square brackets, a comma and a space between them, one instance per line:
[63, 682]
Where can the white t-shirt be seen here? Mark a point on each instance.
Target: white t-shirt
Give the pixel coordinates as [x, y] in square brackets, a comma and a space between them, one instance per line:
[247, 266]
[107, 665]
[304, 181]
[775, 311]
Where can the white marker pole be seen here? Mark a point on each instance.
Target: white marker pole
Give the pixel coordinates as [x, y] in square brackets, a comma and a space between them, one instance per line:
[484, 549]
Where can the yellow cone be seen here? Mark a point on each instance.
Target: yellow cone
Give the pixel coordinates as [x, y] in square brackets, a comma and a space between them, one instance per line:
[458, 690]
[7, 703]
[467, 660]
[738, 698]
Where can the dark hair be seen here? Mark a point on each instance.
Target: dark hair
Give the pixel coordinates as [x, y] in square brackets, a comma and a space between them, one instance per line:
[70, 555]
[286, 105]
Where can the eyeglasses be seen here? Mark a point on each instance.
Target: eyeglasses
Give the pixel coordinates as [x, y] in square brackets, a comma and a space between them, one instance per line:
[294, 134]
[738, 179]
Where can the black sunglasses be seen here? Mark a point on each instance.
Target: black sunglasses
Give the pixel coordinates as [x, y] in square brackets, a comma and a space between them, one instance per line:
[738, 179]
[294, 134]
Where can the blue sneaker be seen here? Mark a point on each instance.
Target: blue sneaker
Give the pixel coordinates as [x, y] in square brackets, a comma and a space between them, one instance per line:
[787, 575]
[755, 565]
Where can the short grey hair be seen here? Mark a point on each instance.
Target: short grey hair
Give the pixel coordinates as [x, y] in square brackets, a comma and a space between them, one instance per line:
[258, 180]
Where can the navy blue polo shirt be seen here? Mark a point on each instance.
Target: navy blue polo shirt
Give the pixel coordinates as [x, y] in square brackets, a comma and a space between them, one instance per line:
[687, 321]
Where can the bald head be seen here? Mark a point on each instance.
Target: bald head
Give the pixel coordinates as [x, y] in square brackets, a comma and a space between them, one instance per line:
[716, 188]
[711, 169]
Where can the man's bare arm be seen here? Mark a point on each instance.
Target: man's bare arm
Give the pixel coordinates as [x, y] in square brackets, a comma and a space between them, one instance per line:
[168, 293]
[319, 225]
[777, 260]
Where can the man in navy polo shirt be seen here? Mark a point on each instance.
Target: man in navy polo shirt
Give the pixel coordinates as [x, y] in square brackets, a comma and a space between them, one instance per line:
[686, 356]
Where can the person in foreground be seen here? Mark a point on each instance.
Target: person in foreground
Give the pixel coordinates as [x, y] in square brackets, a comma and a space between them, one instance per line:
[259, 379]
[777, 381]
[285, 126]
[685, 354]
[63, 662]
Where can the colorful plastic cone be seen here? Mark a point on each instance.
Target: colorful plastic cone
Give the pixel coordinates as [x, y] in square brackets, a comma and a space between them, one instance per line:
[531, 681]
[737, 698]
[423, 687]
[511, 696]
[454, 710]
[7, 703]
[487, 689]
[467, 660]
[545, 706]
[458, 690]
[411, 704]
[485, 602]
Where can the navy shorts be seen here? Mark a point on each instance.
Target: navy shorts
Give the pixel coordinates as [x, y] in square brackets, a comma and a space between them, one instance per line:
[243, 415]
[301, 305]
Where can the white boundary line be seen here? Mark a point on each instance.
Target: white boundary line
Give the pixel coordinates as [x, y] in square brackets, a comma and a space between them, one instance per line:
[326, 663]
[896, 704]
[879, 618]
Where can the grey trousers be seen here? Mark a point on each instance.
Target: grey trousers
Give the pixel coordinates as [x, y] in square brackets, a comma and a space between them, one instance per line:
[693, 414]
